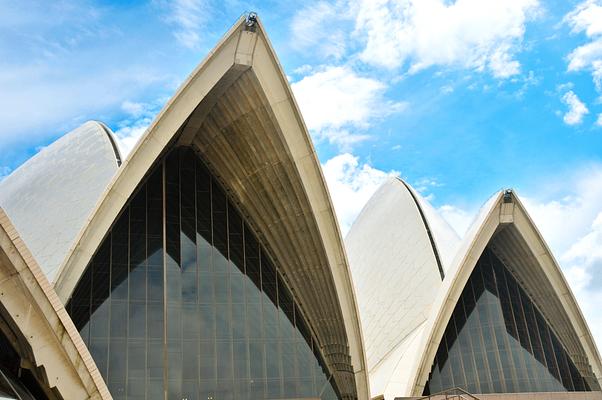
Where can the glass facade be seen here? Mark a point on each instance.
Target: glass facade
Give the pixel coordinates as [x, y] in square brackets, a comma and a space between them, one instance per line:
[181, 300]
[497, 341]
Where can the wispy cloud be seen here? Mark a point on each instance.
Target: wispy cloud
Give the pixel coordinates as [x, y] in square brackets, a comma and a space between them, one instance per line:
[586, 17]
[457, 217]
[320, 27]
[351, 184]
[339, 105]
[571, 222]
[188, 18]
[577, 109]
[475, 34]
[62, 63]
[138, 118]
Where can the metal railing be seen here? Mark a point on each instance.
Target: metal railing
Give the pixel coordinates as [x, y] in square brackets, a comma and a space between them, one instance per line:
[456, 393]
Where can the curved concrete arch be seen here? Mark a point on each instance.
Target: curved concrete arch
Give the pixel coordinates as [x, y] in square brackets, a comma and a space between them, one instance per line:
[68, 177]
[40, 328]
[237, 111]
[504, 224]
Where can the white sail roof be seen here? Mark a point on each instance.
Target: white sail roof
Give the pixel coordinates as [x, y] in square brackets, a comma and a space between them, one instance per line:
[397, 271]
[50, 196]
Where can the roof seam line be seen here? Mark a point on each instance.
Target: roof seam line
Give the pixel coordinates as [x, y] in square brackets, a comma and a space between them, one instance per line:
[112, 141]
[428, 229]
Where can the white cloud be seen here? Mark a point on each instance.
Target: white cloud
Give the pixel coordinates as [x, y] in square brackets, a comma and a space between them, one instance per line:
[303, 70]
[576, 110]
[597, 74]
[583, 269]
[315, 27]
[572, 226]
[188, 16]
[351, 185]
[587, 18]
[128, 136]
[57, 69]
[447, 89]
[575, 201]
[424, 185]
[599, 120]
[130, 129]
[336, 103]
[133, 108]
[457, 217]
[585, 56]
[55, 102]
[475, 34]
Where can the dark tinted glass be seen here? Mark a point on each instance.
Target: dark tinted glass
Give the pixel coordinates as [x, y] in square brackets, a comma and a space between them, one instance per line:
[497, 341]
[233, 329]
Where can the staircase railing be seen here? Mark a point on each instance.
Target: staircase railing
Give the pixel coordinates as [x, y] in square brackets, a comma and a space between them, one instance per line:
[456, 393]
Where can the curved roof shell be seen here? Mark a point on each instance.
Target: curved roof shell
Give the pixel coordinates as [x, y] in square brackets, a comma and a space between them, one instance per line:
[50, 196]
[393, 248]
[385, 247]
[237, 111]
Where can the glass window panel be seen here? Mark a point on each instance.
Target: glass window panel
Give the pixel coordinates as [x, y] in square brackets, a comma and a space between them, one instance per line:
[117, 367]
[136, 356]
[233, 327]
[119, 319]
[272, 359]
[207, 362]
[224, 359]
[190, 321]
[268, 279]
[137, 246]
[99, 349]
[498, 341]
[154, 360]
[79, 306]
[137, 321]
[252, 267]
[207, 321]
[223, 321]
[254, 330]
[235, 239]
[220, 228]
[172, 206]
[221, 287]
[238, 321]
[190, 360]
[174, 360]
[241, 360]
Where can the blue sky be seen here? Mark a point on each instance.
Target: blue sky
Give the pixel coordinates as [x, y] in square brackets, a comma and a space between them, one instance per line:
[460, 98]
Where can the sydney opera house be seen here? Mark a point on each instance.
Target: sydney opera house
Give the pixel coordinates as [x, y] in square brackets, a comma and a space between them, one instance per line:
[208, 264]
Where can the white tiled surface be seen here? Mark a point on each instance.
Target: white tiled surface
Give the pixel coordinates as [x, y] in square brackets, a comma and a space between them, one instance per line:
[446, 239]
[394, 270]
[49, 197]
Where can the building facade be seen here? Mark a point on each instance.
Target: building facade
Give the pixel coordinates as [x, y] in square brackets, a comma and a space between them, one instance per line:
[209, 264]
[491, 313]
